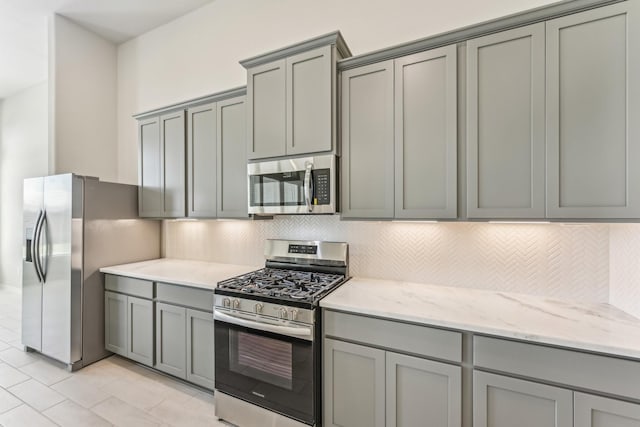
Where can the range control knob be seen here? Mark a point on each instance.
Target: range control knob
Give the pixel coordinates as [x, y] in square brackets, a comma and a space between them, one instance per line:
[236, 303]
[258, 307]
[283, 313]
[226, 302]
[294, 314]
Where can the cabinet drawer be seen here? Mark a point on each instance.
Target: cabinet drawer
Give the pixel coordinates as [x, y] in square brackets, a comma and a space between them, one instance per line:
[576, 369]
[200, 299]
[403, 337]
[129, 285]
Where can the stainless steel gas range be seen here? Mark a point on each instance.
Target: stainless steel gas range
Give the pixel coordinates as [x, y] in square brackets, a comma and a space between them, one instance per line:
[267, 335]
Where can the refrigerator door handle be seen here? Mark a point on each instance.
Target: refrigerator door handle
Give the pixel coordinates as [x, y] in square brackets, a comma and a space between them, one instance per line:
[35, 246]
[37, 243]
[42, 254]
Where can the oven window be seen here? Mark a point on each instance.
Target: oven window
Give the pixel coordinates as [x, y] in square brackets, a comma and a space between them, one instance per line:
[265, 359]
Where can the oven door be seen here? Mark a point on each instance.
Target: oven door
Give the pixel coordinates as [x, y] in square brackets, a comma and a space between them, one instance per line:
[271, 370]
[293, 186]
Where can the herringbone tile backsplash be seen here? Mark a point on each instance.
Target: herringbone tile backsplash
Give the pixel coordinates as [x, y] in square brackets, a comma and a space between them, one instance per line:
[624, 267]
[561, 261]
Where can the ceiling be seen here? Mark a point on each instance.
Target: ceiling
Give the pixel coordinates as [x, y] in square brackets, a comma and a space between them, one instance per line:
[23, 30]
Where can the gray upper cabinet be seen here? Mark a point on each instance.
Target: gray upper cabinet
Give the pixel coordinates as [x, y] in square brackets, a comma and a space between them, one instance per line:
[426, 134]
[500, 401]
[505, 124]
[150, 170]
[593, 135]
[310, 105]
[266, 110]
[162, 166]
[594, 411]
[172, 135]
[367, 142]
[232, 159]
[201, 161]
[418, 390]
[354, 385]
[291, 98]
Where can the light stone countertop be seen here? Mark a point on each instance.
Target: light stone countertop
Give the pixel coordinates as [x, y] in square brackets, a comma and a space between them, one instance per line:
[198, 274]
[598, 328]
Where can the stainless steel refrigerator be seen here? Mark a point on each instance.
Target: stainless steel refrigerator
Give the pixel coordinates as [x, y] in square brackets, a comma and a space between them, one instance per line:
[73, 226]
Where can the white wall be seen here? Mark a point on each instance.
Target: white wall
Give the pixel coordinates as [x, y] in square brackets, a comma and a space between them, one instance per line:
[83, 78]
[23, 154]
[198, 53]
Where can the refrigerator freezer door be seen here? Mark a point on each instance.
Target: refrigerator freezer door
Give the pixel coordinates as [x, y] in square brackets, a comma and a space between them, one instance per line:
[31, 286]
[61, 254]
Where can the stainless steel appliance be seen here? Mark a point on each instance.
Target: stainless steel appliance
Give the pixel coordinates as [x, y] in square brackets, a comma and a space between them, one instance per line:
[74, 225]
[267, 335]
[304, 185]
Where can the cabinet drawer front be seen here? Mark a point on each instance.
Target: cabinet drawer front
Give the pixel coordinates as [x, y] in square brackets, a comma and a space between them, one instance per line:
[188, 297]
[573, 368]
[420, 340]
[129, 285]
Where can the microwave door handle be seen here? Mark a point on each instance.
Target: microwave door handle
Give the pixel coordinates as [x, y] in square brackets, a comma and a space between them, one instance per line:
[294, 331]
[308, 183]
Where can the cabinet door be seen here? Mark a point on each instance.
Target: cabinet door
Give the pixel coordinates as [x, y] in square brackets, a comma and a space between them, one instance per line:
[594, 411]
[593, 96]
[419, 390]
[367, 141]
[150, 168]
[500, 401]
[232, 159]
[354, 385]
[200, 350]
[266, 110]
[201, 161]
[140, 330]
[309, 101]
[115, 323]
[505, 124]
[426, 135]
[173, 163]
[171, 343]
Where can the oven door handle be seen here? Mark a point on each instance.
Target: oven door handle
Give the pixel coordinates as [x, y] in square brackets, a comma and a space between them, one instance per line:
[292, 331]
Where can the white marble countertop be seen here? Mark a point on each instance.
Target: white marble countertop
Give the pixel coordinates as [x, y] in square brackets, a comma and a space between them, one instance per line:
[592, 327]
[197, 274]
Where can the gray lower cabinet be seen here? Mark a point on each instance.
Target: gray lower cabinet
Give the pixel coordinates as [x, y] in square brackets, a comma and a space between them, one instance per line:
[500, 401]
[367, 142]
[200, 348]
[354, 385]
[505, 124]
[129, 327]
[593, 140]
[595, 411]
[171, 339]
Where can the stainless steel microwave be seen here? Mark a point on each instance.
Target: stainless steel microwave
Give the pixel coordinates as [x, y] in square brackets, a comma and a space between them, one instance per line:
[303, 185]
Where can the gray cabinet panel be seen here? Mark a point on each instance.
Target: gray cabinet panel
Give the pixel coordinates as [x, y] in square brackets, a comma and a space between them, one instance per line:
[505, 124]
[172, 134]
[200, 349]
[266, 110]
[150, 171]
[171, 339]
[201, 299]
[594, 411]
[354, 385]
[593, 140]
[201, 161]
[232, 159]
[500, 401]
[309, 101]
[129, 285]
[426, 134]
[367, 138]
[115, 322]
[422, 392]
[140, 330]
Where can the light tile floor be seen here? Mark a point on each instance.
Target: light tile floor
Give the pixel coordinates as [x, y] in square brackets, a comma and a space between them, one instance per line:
[36, 391]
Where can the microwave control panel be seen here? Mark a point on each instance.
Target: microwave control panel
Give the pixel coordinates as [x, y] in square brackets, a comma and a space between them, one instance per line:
[322, 187]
